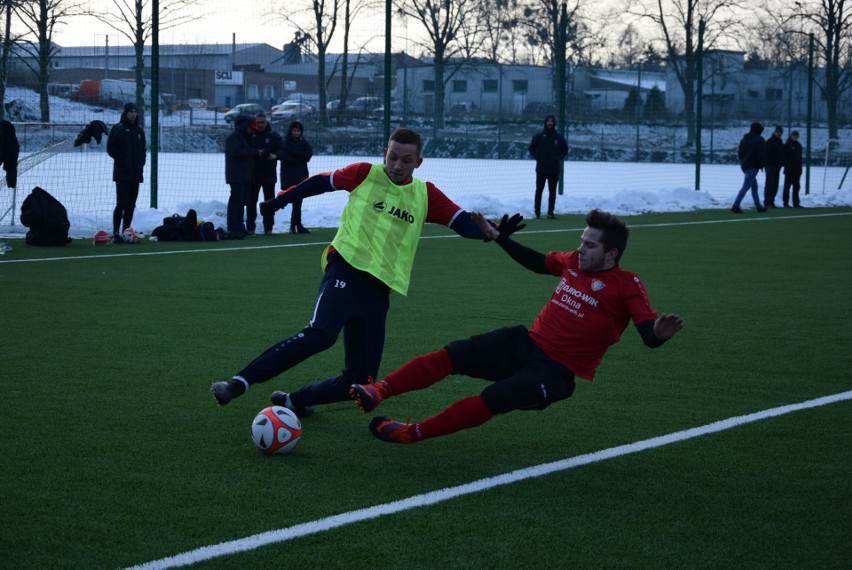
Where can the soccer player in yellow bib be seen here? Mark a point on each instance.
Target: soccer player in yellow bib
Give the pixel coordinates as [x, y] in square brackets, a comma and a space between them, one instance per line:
[371, 255]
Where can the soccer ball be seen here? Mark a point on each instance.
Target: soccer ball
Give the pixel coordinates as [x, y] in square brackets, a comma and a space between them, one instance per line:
[276, 430]
[101, 238]
[132, 236]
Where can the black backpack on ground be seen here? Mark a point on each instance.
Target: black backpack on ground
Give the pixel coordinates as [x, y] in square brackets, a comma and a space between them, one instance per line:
[186, 228]
[47, 219]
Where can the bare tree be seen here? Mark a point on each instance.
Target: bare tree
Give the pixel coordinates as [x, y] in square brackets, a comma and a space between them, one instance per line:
[629, 48]
[133, 20]
[442, 21]
[494, 30]
[5, 52]
[678, 21]
[351, 9]
[541, 18]
[324, 18]
[830, 21]
[40, 18]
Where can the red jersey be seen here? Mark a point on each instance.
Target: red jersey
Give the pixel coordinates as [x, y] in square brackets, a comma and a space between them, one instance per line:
[441, 210]
[587, 313]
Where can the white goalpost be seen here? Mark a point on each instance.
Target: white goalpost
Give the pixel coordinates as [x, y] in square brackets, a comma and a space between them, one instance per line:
[838, 159]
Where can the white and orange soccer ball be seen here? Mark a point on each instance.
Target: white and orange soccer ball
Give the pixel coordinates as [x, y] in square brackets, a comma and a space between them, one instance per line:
[101, 238]
[132, 236]
[276, 430]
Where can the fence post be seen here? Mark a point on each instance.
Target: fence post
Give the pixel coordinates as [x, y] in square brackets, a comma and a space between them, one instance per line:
[699, 108]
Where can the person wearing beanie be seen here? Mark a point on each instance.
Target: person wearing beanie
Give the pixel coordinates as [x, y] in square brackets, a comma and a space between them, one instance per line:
[239, 174]
[774, 163]
[265, 171]
[549, 148]
[752, 155]
[294, 168]
[126, 146]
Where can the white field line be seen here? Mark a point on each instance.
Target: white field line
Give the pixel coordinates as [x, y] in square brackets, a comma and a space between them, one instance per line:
[441, 495]
[251, 248]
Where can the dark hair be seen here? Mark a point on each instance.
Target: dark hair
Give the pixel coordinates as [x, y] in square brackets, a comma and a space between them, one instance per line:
[614, 231]
[407, 136]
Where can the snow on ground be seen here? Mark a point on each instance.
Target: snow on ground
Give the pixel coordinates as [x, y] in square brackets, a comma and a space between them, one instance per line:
[493, 187]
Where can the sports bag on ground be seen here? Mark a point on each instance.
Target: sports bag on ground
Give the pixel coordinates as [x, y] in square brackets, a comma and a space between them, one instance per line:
[47, 219]
[186, 228]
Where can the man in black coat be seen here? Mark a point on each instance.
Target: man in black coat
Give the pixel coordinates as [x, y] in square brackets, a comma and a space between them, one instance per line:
[126, 145]
[265, 171]
[792, 169]
[774, 163]
[752, 155]
[549, 148]
[239, 174]
[10, 149]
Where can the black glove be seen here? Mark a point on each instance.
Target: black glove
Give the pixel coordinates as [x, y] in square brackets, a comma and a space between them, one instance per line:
[508, 226]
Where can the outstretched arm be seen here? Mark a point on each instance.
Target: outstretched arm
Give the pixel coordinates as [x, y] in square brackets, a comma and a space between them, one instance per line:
[525, 256]
[467, 227]
[655, 333]
[313, 186]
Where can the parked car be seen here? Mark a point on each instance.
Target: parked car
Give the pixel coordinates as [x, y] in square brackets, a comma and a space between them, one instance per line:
[538, 110]
[395, 110]
[289, 110]
[248, 109]
[463, 109]
[360, 107]
[364, 105]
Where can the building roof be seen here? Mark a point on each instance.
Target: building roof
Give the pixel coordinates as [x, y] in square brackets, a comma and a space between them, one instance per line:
[625, 79]
[166, 49]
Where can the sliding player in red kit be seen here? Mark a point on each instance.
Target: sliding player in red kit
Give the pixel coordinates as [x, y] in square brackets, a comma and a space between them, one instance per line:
[530, 369]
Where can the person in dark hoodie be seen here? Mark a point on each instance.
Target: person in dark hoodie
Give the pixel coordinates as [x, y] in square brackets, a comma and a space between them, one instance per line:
[752, 155]
[294, 168]
[126, 146]
[792, 169]
[549, 148]
[239, 173]
[265, 171]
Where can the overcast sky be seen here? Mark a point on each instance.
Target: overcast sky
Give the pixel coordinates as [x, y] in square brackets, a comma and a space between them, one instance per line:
[218, 21]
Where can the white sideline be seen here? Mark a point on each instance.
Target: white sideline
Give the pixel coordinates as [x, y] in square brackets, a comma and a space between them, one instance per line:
[279, 246]
[441, 495]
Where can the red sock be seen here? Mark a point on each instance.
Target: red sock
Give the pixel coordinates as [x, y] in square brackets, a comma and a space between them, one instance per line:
[420, 373]
[464, 414]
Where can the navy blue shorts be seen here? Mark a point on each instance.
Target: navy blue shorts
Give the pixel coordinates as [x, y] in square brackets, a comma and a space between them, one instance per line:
[351, 301]
[523, 376]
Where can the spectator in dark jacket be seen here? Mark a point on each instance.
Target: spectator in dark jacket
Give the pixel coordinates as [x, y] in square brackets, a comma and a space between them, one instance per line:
[265, 171]
[752, 155]
[549, 148]
[294, 168]
[10, 149]
[126, 145]
[792, 169]
[774, 164]
[239, 174]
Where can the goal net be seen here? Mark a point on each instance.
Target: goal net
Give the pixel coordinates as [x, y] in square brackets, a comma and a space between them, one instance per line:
[838, 159]
[38, 166]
